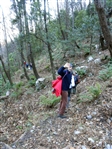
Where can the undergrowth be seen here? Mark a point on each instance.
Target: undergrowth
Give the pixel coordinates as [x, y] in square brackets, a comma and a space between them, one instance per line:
[92, 93]
[49, 101]
[17, 90]
[81, 72]
[106, 73]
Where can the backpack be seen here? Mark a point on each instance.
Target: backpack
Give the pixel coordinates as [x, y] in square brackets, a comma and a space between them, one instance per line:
[76, 79]
[56, 86]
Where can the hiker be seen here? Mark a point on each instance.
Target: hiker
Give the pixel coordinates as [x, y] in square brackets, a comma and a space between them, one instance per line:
[66, 73]
[24, 63]
[72, 88]
[30, 65]
[27, 65]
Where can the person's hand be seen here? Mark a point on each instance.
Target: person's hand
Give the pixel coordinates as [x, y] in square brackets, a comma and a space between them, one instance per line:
[67, 65]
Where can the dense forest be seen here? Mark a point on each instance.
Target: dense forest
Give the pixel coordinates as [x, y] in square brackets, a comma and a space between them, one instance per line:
[40, 40]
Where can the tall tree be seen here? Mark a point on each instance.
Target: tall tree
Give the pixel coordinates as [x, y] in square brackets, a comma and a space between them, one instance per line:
[67, 16]
[48, 43]
[103, 23]
[6, 69]
[29, 41]
[73, 14]
[17, 10]
[59, 19]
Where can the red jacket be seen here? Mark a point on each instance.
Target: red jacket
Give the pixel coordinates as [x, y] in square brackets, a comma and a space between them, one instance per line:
[57, 86]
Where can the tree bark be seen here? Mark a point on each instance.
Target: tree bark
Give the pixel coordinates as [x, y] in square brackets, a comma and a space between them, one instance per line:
[21, 44]
[11, 83]
[103, 44]
[67, 18]
[7, 72]
[17, 11]
[48, 44]
[29, 42]
[33, 63]
[104, 26]
[62, 32]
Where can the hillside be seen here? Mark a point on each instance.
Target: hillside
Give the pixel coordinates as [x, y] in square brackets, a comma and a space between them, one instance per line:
[25, 124]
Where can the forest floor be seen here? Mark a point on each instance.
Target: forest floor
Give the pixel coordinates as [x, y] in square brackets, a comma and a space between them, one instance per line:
[25, 124]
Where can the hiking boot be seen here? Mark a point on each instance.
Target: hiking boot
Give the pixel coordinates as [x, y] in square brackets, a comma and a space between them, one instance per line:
[61, 116]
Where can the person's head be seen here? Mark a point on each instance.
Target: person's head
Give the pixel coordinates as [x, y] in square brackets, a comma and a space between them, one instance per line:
[70, 67]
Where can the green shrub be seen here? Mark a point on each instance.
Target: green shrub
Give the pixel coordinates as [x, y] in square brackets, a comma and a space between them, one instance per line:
[81, 72]
[92, 93]
[95, 91]
[31, 83]
[30, 90]
[16, 94]
[4, 87]
[106, 73]
[86, 51]
[84, 97]
[18, 85]
[32, 77]
[49, 101]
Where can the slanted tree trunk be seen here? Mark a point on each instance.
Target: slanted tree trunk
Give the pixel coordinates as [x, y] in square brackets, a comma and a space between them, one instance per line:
[102, 42]
[73, 15]
[59, 19]
[67, 17]
[104, 26]
[29, 42]
[1, 72]
[3, 77]
[7, 74]
[48, 43]
[91, 43]
[21, 44]
[7, 71]
[17, 10]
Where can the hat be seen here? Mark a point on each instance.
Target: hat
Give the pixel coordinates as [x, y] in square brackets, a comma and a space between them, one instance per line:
[71, 65]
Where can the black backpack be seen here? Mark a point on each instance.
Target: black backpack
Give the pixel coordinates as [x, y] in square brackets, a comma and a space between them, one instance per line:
[77, 79]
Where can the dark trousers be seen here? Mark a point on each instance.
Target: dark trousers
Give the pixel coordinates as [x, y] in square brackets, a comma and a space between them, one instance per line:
[63, 102]
[73, 91]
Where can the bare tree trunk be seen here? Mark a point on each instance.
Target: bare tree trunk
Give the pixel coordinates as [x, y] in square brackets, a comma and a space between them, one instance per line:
[0, 68]
[103, 45]
[3, 77]
[48, 44]
[62, 32]
[18, 14]
[39, 27]
[21, 45]
[33, 63]
[29, 43]
[80, 3]
[67, 17]
[103, 23]
[7, 72]
[22, 60]
[8, 77]
[91, 43]
[73, 17]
